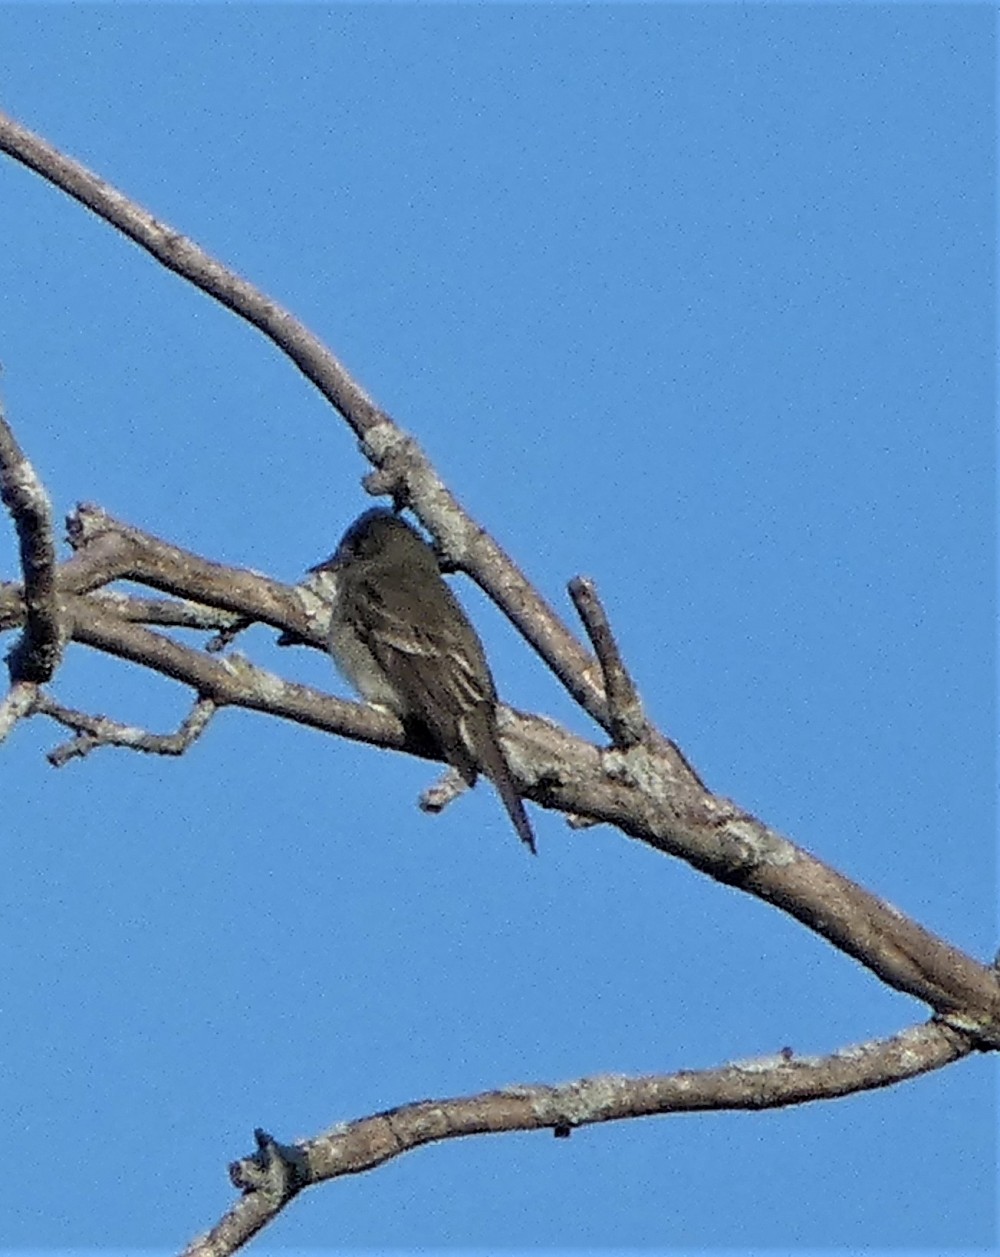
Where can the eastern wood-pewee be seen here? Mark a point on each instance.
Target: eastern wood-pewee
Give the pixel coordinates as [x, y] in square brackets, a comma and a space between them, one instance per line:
[400, 637]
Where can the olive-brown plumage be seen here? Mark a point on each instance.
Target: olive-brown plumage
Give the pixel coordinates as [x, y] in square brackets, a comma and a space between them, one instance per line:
[401, 639]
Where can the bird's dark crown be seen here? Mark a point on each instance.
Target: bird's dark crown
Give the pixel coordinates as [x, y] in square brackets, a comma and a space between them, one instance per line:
[372, 534]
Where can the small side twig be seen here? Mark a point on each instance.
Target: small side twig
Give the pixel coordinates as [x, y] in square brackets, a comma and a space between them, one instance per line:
[36, 656]
[626, 719]
[277, 1170]
[20, 701]
[444, 791]
[171, 613]
[94, 731]
[228, 634]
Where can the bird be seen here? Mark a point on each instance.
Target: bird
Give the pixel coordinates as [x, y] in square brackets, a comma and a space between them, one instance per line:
[400, 638]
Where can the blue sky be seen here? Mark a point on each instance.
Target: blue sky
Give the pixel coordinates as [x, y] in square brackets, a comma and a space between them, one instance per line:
[696, 300]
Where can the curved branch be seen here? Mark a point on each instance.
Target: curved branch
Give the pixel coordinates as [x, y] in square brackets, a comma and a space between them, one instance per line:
[402, 467]
[276, 1173]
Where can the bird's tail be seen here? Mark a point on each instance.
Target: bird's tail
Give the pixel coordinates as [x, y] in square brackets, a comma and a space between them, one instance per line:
[493, 764]
[515, 810]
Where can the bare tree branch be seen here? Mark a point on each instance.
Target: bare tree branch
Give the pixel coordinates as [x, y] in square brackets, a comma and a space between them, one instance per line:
[643, 785]
[232, 681]
[17, 703]
[402, 468]
[449, 787]
[127, 553]
[170, 613]
[276, 1173]
[627, 721]
[639, 791]
[95, 731]
[107, 551]
[36, 656]
[646, 791]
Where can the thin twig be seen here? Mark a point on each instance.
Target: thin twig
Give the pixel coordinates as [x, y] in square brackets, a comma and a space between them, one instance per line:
[36, 656]
[234, 681]
[627, 721]
[171, 613]
[95, 731]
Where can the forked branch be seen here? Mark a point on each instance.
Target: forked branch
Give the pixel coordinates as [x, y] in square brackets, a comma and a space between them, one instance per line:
[95, 731]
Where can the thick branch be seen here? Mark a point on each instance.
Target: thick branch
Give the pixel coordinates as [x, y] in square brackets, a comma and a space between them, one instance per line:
[643, 792]
[232, 681]
[276, 1173]
[718, 837]
[37, 654]
[646, 791]
[18, 703]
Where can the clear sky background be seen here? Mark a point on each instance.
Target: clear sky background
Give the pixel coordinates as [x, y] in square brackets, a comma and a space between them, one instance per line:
[695, 300]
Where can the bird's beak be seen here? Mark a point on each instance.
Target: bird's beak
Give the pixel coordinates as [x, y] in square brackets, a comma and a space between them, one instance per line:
[328, 565]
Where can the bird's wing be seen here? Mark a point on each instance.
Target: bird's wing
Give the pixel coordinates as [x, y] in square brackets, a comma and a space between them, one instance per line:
[481, 730]
[420, 636]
